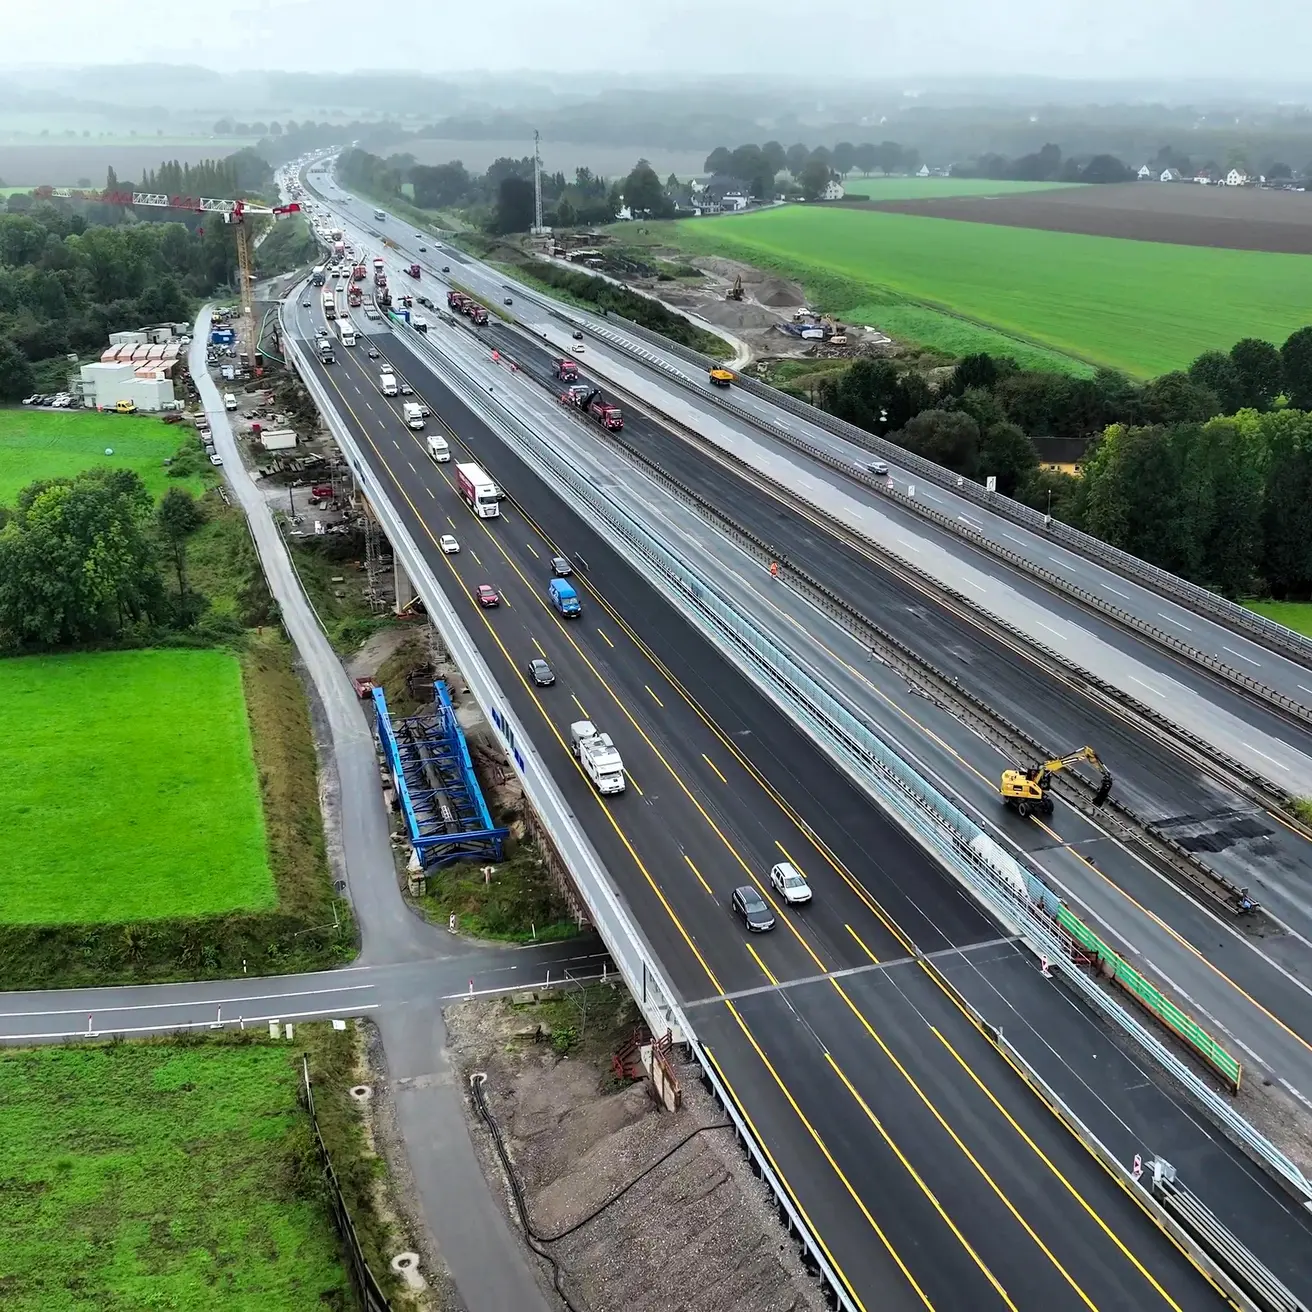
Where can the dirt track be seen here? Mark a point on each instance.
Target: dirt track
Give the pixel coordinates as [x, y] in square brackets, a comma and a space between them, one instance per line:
[1185, 214]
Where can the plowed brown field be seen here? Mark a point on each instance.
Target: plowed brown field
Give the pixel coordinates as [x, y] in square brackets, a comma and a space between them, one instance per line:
[1181, 213]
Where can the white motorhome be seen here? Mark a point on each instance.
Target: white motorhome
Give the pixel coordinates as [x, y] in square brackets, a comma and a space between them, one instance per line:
[438, 450]
[414, 416]
[597, 755]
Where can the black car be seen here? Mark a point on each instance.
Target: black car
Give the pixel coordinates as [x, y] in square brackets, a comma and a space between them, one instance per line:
[561, 567]
[753, 908]
[577, 335]
[541, 673]
[446, 268]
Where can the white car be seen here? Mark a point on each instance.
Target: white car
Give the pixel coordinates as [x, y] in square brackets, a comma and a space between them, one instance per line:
[216, 460]
[789, 884]
[448, 544]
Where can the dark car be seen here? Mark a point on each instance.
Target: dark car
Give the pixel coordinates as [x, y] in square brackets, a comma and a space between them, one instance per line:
[305, 305]
[510, 300]
[541, 673]
[561, 567]
[373, 353]
[446, 268]
[487, 595]
[578, 334]
[753, 909]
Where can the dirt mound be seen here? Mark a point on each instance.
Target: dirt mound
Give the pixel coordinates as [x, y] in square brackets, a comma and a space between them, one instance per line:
[776, 291]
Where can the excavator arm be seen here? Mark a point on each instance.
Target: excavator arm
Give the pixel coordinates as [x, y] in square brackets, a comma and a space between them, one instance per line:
[1027, 789]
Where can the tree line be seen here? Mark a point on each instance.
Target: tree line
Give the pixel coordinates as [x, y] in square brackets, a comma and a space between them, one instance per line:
[95, 559]
[72, 272]
[1206, 471]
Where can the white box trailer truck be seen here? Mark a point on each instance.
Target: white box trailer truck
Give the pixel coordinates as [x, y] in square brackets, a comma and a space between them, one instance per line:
[414, 416]
[597, 754]
[387, 384]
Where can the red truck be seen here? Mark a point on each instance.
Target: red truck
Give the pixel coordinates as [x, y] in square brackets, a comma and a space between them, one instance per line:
[358, 273]
[413, 271]
[606, 413]
[566, 370]
[353, 297]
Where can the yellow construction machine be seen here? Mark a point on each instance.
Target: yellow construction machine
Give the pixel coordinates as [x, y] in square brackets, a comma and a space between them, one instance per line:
[735, 293]
[721, 377]
[1027, 791]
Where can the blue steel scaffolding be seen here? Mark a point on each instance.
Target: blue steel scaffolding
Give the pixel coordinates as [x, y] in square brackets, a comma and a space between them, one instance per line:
[445, 814]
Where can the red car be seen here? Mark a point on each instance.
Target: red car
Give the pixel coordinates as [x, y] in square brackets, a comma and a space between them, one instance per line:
[487, 595]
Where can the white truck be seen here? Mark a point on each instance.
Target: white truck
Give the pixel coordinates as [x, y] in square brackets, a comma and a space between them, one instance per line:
[414, 416]
[387, 384]
[596, 753]
[438, 450]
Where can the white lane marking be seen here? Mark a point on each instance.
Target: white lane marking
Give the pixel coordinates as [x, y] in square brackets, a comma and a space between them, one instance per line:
[968, 520]
[1177, 623]
[1050, 629]
[1265, 757]
[1305, 687]
[1242, 657]
[1020, 541]
[193, 1002]
[910, 545]
[1149, 686]
[1118, 592]
[241, 1021]
[973, 584]
[930, 496]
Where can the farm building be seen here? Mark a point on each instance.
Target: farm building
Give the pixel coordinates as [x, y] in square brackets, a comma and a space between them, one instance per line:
[833, 190]
[1062, 455]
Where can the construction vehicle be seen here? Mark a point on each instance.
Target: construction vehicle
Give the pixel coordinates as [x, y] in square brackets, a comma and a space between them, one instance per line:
[413, 271]
[735, 293]
[353, 297]
[606, 413]
[457, 301]
[380, 273]
[566, 370]
[720, 377]
[1027, 791]
[359, 273]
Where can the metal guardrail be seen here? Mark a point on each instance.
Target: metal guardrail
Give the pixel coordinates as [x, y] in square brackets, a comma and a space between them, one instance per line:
[1013, 895]
[1141, 571]
[632, 954]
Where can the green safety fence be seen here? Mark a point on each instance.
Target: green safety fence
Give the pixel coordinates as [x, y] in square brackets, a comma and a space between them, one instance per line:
[1151, 999]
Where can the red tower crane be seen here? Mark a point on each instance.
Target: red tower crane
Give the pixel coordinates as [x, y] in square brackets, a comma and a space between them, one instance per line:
[232, 211]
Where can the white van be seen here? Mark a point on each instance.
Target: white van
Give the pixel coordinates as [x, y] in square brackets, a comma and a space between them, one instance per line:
[414, 417]
[229, 401]
[387, 384]
[438, 450]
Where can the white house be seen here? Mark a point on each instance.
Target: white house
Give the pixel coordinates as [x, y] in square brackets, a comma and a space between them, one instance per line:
[1236, 179]
[1171, 175]
[833, 190]
[1144, 173]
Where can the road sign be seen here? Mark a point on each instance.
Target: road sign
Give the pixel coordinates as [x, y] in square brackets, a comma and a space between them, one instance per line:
[1043, 968]
[1137, 1169]
[991, 483]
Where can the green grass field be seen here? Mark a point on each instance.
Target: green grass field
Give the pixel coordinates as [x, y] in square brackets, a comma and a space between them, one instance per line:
[928, 188]
[128, 789]
[61, 443]
[1144, 307]
[161, 1176]
[1296, 615]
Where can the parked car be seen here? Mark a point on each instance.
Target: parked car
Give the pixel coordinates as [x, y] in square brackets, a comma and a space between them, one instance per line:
[29, 400]
[561, 567]
[216, 459]
[448, 544]
[487, 595]
[753, 909]
[789, 884]
[541, 673]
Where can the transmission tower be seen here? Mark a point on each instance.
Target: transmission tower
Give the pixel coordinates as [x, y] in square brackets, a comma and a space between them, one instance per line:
[537, 186]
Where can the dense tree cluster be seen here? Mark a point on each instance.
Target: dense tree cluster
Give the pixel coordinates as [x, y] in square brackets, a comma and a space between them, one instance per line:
[80, 561]
[73, 271]
[1205, 471]
[759, 165]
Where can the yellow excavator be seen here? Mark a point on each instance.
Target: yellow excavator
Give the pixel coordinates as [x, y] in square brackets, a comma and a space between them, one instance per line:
[735, 293]
[1027, 791]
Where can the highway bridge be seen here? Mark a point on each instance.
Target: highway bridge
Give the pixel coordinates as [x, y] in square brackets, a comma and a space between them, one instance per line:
[928, 1171]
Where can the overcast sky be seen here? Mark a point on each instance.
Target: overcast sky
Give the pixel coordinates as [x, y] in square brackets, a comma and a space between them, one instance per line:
[1064, 38]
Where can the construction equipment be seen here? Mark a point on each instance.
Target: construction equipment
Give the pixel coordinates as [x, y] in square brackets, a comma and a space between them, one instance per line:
[720, 377]
[235, 212]
[566, 369]
[735, 293]
[1027, 791]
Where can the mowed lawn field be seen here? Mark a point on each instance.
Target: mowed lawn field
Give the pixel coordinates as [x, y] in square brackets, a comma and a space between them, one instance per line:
[61, 443]
[159, 1176]
[1145, 307]
[877, 188]
[128, 789]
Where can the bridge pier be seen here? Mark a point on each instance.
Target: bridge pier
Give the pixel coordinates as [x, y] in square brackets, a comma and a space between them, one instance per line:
[403, 588]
